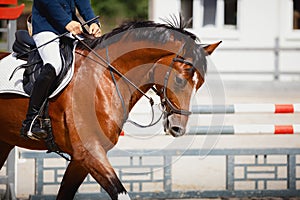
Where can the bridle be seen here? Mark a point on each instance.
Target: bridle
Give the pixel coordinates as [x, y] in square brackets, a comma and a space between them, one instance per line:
[165, 101]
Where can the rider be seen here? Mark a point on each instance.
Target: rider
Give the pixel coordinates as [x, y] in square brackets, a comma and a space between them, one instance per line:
[51, 18]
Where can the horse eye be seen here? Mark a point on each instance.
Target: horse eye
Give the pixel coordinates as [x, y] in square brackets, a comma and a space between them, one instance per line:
[181, 82]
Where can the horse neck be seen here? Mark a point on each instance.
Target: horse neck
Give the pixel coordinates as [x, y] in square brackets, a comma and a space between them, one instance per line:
[137, 66]
[134, 60]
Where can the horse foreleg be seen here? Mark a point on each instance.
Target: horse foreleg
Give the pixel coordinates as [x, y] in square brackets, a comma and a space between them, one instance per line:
[4, 151]
[102, 171]
[73, 177]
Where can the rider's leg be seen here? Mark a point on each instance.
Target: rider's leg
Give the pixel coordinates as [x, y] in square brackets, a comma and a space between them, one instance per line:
[40, 92]
[43, 85]
[49, 53]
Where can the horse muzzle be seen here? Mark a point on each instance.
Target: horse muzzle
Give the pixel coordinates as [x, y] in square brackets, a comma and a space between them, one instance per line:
[175, 124]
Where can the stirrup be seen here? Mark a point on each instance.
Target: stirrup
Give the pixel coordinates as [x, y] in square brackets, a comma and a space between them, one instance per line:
[36, 133]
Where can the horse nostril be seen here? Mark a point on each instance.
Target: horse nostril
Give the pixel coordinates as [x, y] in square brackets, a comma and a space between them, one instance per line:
[177, 131]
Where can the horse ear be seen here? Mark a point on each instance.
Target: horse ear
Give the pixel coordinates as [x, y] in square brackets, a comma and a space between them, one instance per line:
[209, 49]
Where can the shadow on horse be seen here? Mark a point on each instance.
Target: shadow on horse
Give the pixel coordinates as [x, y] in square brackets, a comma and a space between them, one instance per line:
[88, 115]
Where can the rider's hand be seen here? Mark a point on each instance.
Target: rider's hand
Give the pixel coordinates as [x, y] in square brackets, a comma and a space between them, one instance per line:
[74, 27]
[95, 30]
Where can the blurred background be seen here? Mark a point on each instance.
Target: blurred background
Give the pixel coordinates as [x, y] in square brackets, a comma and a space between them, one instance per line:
[261, 39]
[111, 12]
[256, 63]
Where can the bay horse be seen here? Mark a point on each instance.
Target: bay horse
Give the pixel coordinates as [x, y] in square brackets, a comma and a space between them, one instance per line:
[88, 115]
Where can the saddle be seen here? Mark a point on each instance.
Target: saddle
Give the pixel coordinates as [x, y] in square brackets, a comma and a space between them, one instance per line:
[25, 49]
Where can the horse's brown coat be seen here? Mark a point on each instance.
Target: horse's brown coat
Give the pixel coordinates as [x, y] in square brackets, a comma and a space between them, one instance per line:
[87, 116]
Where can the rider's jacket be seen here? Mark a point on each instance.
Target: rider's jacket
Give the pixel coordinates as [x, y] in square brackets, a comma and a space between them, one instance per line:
[54, 15]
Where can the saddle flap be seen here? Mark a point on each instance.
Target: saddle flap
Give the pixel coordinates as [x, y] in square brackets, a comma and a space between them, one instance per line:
[34, 66]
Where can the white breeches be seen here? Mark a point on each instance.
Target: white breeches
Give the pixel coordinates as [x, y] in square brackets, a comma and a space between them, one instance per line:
[49, 53]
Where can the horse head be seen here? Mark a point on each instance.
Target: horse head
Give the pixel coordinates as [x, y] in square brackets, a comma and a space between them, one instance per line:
[177, 81]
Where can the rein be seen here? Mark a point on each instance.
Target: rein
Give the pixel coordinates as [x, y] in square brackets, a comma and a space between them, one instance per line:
[165, 101]
[113, 69]
[58, 37]
[109, 66]
[152, 123]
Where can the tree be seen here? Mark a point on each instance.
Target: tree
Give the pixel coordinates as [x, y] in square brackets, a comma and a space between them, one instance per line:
[114, 12]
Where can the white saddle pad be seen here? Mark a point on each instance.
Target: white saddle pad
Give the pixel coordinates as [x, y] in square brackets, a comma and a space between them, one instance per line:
[15, 85]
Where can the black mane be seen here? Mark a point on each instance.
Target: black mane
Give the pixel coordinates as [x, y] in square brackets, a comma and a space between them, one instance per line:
[150, 31]
[158, 33]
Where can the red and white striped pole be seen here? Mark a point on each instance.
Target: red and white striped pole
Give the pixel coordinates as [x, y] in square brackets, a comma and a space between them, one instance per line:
[245, 129]
[246, 108]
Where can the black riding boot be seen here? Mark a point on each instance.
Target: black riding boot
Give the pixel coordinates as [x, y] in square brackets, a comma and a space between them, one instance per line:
[43, 85]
